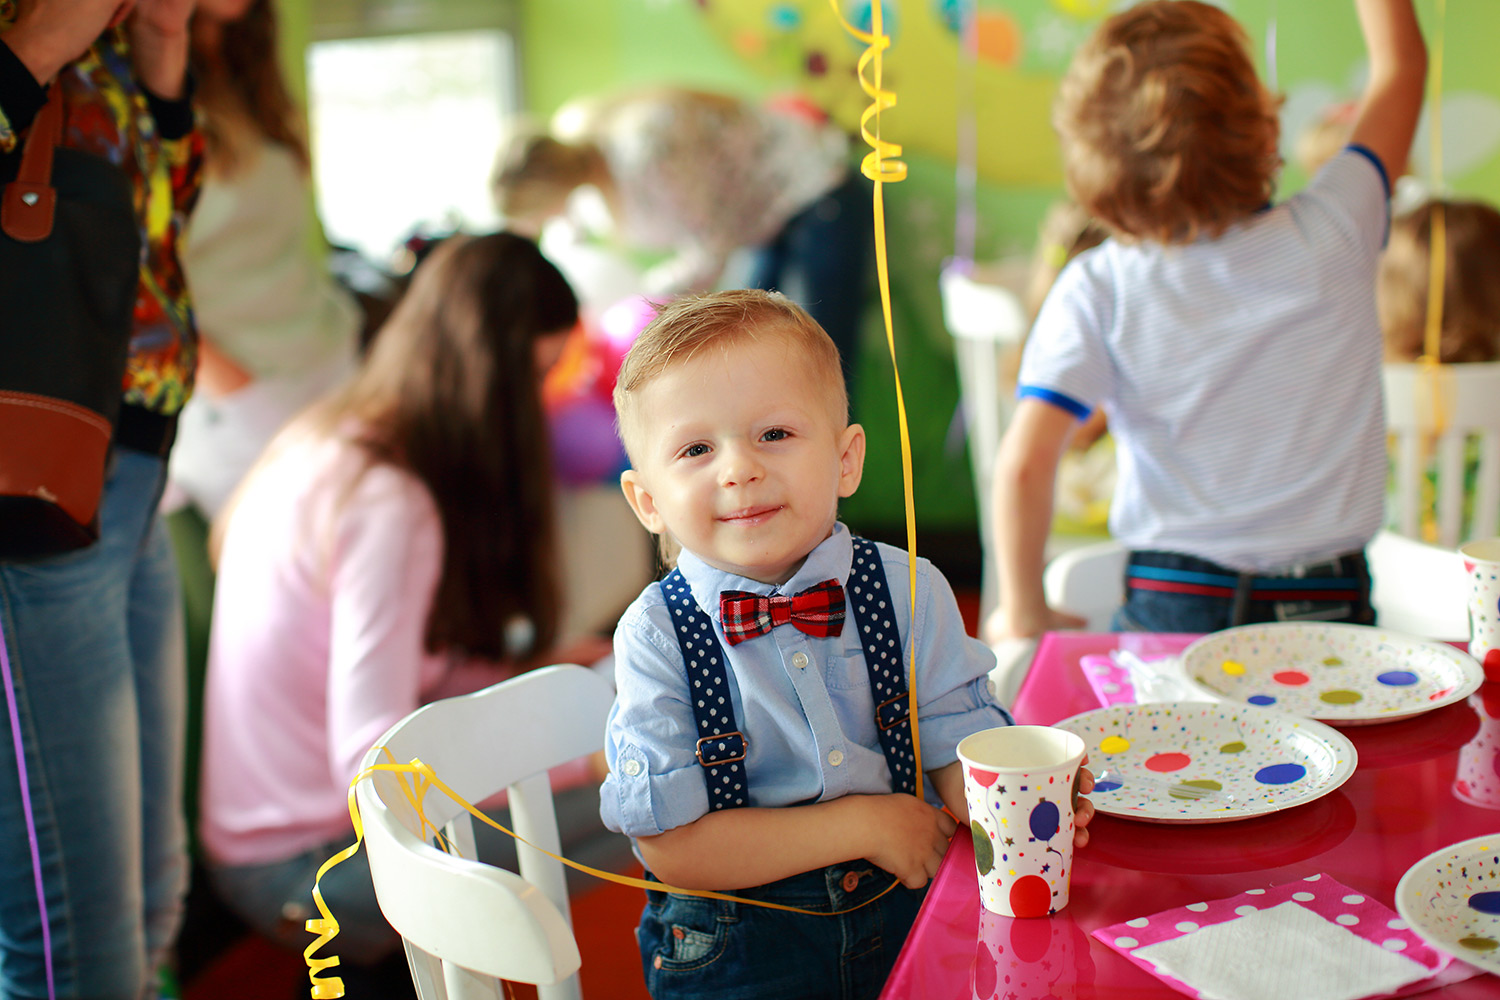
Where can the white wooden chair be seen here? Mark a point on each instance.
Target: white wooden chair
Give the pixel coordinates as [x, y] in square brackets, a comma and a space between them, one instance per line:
[1418, 589]
[1468, 403]
[466, 924]
[1088, 581]
[987, 321]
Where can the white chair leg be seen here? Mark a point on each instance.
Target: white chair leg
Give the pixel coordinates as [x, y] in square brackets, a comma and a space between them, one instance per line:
[462, 984]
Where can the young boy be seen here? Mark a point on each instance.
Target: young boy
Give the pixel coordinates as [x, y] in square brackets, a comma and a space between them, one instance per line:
[766, 751]
[1234, 345]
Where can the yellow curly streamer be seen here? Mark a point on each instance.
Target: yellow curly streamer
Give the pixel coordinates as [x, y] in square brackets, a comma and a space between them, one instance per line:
[880, 166]
[416, 779]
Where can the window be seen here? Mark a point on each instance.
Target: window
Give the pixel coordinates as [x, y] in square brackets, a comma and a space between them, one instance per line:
[405, 127]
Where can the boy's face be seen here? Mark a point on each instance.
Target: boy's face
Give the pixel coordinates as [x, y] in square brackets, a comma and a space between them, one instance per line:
[741, 460]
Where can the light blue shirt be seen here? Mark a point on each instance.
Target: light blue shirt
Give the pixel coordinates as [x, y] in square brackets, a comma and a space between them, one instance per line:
[1241, 376]
[803, 703]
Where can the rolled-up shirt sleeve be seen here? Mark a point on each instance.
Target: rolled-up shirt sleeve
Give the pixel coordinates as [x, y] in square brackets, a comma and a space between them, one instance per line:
[655, 782]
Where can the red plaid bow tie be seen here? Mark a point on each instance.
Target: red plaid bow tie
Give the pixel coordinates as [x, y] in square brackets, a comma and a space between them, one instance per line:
[818, 611]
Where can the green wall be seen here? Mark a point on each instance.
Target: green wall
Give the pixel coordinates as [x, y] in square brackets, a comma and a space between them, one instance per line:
[572, 47]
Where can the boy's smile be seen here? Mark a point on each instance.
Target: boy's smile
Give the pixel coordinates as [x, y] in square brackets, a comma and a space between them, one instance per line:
[742, 459]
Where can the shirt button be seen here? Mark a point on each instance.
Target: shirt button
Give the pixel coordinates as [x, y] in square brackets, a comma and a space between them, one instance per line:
[851, 881]
[799, 660]
[632, 767]
[835, 757]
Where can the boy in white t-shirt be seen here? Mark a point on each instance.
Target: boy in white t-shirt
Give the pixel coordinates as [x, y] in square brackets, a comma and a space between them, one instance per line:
[1233, 344]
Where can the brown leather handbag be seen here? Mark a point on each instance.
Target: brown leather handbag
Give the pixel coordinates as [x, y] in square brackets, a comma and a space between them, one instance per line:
[69, 268]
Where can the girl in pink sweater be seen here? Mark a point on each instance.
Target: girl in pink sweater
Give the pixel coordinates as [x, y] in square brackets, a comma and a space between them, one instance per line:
[393, 546]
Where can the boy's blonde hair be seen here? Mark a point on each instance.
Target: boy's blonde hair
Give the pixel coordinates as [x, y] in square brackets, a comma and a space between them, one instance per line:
[684, 327]
[1471, 296]
[1167, 133]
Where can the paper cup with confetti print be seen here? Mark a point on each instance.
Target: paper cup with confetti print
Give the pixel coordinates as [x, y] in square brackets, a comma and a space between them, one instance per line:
[1019, 783]
[1482, 563]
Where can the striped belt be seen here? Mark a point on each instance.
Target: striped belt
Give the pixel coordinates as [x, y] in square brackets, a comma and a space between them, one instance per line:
[1262, 588]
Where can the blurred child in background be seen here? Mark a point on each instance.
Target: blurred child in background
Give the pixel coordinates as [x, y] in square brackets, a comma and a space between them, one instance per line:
[1471, 291]
[1234, 343]
[394, 545]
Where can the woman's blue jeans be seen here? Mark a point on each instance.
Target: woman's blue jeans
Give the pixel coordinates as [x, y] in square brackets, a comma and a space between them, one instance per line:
[94, 639]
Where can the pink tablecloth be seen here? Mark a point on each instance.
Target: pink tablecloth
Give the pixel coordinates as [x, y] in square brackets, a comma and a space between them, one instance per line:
[1400, 805]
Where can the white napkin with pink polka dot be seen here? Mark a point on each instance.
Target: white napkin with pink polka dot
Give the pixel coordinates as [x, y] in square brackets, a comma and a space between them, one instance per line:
[1316, 939]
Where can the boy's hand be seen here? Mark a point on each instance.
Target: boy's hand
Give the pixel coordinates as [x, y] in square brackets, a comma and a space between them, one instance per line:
[910, 836]
[1007, 622]
[1083, 809]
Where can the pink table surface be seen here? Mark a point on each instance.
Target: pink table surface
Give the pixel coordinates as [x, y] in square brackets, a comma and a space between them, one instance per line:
[1398, 807]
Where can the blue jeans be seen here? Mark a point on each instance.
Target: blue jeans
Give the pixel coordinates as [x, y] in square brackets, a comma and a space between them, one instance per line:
[1147, 610]
[95, 644]
[707, 949]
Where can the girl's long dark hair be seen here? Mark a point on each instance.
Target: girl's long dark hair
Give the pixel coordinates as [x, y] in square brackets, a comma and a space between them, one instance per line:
[241, 78]
[450, 391]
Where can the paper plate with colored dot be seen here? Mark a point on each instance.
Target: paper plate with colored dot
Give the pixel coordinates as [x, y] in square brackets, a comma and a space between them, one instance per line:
[1345, 675]
[1451, 898]
[1207, 762]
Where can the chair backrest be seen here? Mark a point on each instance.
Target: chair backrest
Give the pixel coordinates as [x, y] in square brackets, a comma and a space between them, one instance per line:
[465, 923]
[986, 321]
[1088, 581]
[1468, 405]
[1418, 589]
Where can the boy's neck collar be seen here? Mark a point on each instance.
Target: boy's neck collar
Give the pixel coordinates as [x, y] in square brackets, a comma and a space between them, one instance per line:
[830, 560]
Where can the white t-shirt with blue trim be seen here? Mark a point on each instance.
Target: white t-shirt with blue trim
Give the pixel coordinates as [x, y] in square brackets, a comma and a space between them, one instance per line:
[1240, 375]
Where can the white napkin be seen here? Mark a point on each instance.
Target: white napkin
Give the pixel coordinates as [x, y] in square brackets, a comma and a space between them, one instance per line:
[1280, 952]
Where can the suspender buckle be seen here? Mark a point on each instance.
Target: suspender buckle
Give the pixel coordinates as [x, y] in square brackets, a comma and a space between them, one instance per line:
[723, 748]
[892, 712]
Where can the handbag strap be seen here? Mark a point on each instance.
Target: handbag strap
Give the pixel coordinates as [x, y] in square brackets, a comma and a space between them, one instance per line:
[27, 206]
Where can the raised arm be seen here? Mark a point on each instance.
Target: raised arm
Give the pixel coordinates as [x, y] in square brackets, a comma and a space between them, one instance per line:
[1392, 101]
[738, 848]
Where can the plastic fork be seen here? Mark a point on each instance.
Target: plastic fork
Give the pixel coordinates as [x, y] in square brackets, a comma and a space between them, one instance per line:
[1176, 789]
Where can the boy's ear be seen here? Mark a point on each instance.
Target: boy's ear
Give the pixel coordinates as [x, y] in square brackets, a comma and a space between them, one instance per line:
[640, 501]
[851, 459]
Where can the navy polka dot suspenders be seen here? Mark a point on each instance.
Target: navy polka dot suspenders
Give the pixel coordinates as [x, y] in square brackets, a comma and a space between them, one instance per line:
[875, 617]
[722, 747]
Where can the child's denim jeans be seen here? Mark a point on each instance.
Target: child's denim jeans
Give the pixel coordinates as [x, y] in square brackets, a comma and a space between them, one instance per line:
[707, 949]
[1151, 610]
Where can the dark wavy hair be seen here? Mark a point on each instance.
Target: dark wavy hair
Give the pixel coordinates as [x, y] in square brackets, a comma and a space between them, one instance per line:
[450, 391]
[239, 75]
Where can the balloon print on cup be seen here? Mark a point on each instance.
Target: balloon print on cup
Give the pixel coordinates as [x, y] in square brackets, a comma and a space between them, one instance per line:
[1019, 783]
[1482, 563]
[1029, 959]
